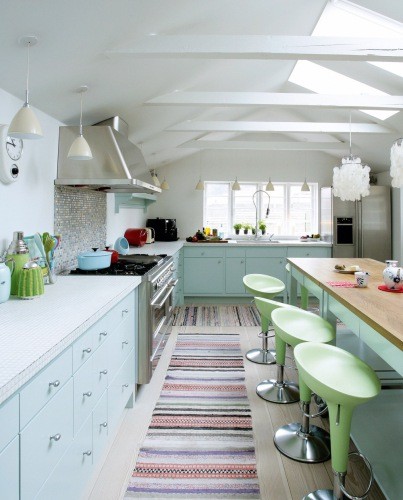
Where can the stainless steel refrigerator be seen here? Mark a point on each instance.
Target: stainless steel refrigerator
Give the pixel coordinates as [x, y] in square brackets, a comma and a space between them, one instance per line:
[358, 228]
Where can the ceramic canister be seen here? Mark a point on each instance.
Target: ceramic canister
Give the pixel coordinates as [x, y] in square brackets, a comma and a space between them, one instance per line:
[30, 283]
[393, 275]
[5, 281]
[19, 253]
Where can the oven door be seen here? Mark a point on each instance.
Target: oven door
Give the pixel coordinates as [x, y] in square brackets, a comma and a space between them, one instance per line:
[161, 313]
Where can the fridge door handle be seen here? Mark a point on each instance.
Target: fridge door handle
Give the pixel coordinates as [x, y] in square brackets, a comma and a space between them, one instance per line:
[359, 230]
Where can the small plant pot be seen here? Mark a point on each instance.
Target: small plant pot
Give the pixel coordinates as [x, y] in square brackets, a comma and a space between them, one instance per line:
[236, 231]
[253, 231]
[245, 231]
[263, 231]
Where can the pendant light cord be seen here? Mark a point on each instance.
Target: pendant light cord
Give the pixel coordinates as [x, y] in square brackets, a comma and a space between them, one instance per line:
[350, 133]
[27, 86]
[81, 114]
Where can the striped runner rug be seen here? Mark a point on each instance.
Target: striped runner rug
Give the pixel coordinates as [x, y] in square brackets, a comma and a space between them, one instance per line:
[200, 440]
[220, 315]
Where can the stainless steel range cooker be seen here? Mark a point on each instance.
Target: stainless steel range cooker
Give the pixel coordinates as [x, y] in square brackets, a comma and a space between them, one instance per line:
[155, 304]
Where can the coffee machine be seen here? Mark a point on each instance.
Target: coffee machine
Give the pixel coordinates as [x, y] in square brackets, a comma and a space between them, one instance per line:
[165, 229]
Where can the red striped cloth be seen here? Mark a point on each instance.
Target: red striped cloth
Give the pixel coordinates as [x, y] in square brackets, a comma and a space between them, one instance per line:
[343, 284]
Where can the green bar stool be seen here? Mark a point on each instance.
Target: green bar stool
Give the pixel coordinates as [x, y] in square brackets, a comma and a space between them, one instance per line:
[276, 391]
[345, 382]
[262, 285]
[301, 441]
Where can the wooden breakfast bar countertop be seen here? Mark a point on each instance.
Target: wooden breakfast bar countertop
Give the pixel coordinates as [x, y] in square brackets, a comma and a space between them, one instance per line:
[382, 311]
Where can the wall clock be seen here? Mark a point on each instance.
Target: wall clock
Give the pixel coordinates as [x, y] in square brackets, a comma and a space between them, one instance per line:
[10, 153]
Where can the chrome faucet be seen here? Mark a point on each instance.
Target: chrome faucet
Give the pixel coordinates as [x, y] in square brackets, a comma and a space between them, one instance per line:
[267, 210]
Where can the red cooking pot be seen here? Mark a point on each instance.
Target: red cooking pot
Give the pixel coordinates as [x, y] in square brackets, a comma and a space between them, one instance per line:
[114, 256]
[136, 237]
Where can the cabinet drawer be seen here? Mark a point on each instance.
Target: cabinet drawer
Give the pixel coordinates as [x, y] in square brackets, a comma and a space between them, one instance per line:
[9, 418]
[100, 427]
[266, 251]
[9, 471]
[120, 390]
[308, 252]
[69, 478]
[121, 311]
[83, 394]
[203, 252]
[120, 345]
[83, 348]
[44, 386]
[235, 252]
[45, 439]
[100, 369]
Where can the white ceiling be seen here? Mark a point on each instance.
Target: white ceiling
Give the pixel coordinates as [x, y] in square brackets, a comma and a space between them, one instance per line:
[78, 40]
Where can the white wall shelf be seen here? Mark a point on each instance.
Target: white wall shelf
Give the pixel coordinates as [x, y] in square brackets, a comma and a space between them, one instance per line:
[133, 200]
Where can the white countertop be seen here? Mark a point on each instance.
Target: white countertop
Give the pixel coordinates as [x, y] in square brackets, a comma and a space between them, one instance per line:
[262, 243]
[158, 248]
[33, 332]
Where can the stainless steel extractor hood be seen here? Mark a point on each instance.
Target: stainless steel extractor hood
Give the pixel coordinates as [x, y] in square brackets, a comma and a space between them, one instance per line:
[115, 165]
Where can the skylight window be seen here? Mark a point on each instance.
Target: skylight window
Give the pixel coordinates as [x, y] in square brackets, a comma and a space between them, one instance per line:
[343, 18]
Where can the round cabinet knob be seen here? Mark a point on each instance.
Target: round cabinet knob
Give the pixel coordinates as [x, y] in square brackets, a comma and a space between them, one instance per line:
[87, 350]
[88, 393]
[88, 453]
[125, 311]
[104, 424]
[55, 437]
[103, 372]
[125, 385]
[56, 383]
[242, 262]
[104, 334]
[202, 253]
[125, 342]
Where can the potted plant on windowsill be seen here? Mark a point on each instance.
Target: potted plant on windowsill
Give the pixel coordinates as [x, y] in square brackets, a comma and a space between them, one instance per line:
[246, 227]
[237, 228]
[262, 226]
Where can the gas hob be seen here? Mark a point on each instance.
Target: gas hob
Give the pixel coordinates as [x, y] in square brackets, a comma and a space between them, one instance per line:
[127, 265]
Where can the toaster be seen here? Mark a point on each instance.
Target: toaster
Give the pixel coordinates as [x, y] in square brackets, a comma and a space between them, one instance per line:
[150, 235]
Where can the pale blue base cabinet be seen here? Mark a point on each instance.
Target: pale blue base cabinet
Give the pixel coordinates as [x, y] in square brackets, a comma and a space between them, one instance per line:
[218, 271]
[58, 426]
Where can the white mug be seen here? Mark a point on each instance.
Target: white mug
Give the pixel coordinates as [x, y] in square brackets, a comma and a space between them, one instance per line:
[362, 278]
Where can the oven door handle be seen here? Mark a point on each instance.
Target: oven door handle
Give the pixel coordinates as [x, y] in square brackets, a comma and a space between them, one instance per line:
[159, 304]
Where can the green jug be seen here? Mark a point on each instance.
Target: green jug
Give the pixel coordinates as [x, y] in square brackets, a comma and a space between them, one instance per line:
[18, 251]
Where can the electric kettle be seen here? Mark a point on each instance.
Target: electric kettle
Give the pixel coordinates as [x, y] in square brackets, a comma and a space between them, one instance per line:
[19, 253]
[5, 279]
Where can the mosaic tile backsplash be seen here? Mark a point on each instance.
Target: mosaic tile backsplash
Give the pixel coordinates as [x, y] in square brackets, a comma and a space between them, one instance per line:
[80, 219]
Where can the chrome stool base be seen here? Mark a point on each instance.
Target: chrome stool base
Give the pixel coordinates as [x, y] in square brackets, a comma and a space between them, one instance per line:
[320, 495]
[311, 447]
[275, 392]
[262, 356]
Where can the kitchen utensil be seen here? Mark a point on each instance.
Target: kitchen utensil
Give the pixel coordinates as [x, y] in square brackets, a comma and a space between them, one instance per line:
[122, 245]
[19, 253]
[115, 254]
[97, 259]
[41, 248]
[136, 236]
[30, 283]
[5, 279]
[150, 235]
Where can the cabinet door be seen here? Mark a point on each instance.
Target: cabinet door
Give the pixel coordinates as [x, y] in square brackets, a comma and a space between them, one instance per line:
[204, 276]
[9, 471]
[272, 266]
[234, 273]
[100, 426]
[71, 475]
[119, 391]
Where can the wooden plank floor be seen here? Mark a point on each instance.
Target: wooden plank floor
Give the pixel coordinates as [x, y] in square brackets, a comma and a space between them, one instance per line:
[280, 478]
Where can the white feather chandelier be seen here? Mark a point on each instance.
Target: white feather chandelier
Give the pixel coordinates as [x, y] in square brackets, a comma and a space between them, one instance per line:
[396, 163]
[351, 178]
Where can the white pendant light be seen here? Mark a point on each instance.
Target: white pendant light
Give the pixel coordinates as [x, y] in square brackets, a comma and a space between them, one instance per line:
[269, 186]
[25, 124]
[80, 149]
[351, 178]
[165, 184]
[305, 186]
[155, 179]
[235, 185]
[396, 163]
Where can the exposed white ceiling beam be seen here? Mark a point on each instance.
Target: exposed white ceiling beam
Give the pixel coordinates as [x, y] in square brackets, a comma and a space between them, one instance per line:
[264, 145]
[262, 47]
[277, 99]
[249, 126]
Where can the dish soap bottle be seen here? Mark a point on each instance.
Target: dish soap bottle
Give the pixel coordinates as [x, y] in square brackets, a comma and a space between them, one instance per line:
[18, 251]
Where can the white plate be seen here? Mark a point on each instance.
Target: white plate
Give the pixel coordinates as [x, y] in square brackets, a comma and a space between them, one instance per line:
[347, 271]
